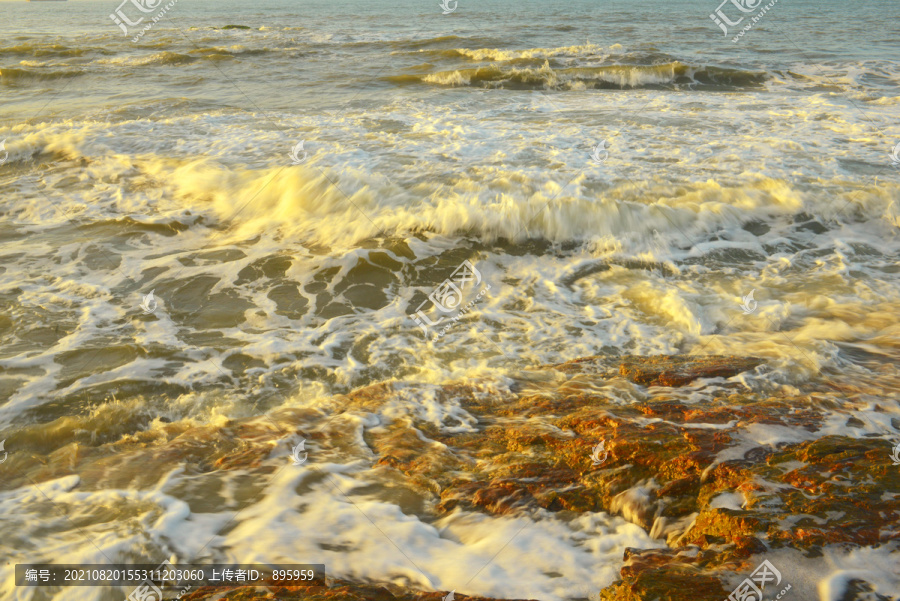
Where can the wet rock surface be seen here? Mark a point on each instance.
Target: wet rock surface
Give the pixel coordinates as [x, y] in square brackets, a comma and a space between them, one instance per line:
[680, 371]
[666, 466]
[586, 436]
[663, 370]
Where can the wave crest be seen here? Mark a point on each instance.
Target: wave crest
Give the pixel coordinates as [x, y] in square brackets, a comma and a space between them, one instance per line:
[20, 75]
[598, 77]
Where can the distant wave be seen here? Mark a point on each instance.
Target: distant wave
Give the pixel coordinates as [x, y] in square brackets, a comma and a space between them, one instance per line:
[20, 75]
[444, 40]
[40, 50]
[237, 50]
[170, 58]
[607, 76]
[496, 54]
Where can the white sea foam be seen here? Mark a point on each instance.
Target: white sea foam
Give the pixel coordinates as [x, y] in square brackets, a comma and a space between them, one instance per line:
[272, 291]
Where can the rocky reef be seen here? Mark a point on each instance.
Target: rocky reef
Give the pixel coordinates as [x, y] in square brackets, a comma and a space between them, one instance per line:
[687, 471]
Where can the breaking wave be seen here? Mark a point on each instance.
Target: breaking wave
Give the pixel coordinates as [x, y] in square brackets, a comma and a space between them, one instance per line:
[39, 50]
[21, 75]
[597, 77]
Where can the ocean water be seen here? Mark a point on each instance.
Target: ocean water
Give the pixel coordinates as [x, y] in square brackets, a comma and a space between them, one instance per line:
[438, 150]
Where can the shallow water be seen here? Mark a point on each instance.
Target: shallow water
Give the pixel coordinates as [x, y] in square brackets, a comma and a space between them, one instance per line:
[165, 165]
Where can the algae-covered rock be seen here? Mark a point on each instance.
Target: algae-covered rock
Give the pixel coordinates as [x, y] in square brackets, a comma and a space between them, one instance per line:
[683, 369]
[688, 472]
[661, 370]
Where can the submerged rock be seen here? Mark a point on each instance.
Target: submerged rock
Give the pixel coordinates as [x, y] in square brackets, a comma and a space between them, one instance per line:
[689, 473]
[683, 369]
[683, 472]
[663, 370]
